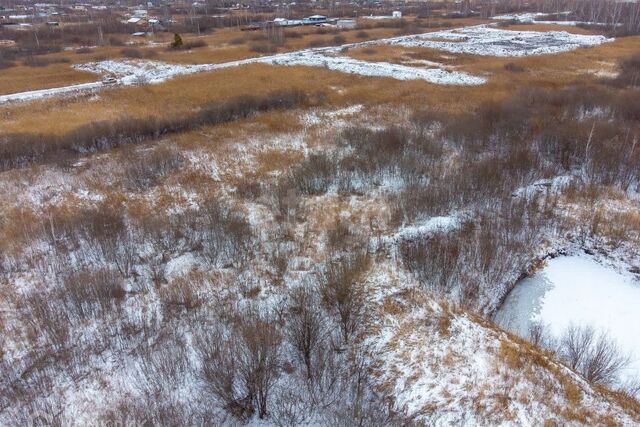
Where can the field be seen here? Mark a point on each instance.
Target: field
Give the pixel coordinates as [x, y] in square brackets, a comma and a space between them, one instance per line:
[316, 226]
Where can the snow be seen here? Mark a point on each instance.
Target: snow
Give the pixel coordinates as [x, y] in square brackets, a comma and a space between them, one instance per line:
[578, 290]
[376, 69]
[484, 40]
[131, 71]
[45, 93]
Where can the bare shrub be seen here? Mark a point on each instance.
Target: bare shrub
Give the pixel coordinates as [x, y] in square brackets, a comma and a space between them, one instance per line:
[223, 235]
[338, 40]
[513, 67]
[595, 356]
[146, 170]
[263, 48]
[35, 61]
[314, 176]
[362, 34]
[194, 44]
[241, 368]
[629, 71]
[131, 52]
[318, 43]
[306, 328]
[89, 294]
[343, 293]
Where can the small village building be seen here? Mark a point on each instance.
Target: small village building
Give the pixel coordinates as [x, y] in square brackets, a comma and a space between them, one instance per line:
[315, 19]
[346, 23]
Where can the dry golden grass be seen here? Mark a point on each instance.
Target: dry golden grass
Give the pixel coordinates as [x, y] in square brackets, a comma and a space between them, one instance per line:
[185, 93]
[220, 48]
[22, 78]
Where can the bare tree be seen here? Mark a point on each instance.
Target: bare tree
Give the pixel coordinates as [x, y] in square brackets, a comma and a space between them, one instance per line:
[575, 344]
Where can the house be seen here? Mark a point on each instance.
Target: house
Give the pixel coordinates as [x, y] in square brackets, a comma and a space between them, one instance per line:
[315, 19]
[346, 23]
[396, 14]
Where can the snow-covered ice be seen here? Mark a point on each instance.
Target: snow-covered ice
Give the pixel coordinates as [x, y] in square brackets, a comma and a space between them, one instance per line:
[580, 291]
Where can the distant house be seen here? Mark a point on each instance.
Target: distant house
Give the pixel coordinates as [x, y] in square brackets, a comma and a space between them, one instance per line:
[315, 19]
[396, 14]
[346, 23]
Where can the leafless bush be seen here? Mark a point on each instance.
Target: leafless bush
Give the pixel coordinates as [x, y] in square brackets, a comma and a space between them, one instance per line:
[362, 35]
[593, 355]
[306, 329]
[241, 368]
[91, 293]
[629, 71]
[194, 44]
[148, 169]
[513, 67]
[343, 293]
[223, 235]
[263, 48]
[338, 40]
[318, 43]
[131, 52]
[34, 61]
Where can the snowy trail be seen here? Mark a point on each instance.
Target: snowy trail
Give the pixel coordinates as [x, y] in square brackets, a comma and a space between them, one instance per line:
[44, 93]
[477, 40]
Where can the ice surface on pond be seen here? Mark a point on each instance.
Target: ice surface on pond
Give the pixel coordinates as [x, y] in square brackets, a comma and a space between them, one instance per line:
[484, 40]
[580, 291]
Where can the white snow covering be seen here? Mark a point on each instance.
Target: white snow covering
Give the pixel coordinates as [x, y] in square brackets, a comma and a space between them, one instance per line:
[431, 225]
[484, 40]
[45, 93]
[580, 291]
[376, 69]
[130, 71]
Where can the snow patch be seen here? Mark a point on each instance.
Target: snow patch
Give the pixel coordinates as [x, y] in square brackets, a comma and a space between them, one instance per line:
[483, 40]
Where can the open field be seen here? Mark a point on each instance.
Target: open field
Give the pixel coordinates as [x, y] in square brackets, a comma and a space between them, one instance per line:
[314, 226]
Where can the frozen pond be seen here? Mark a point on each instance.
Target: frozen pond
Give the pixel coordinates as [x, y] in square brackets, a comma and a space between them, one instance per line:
[578, 290]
